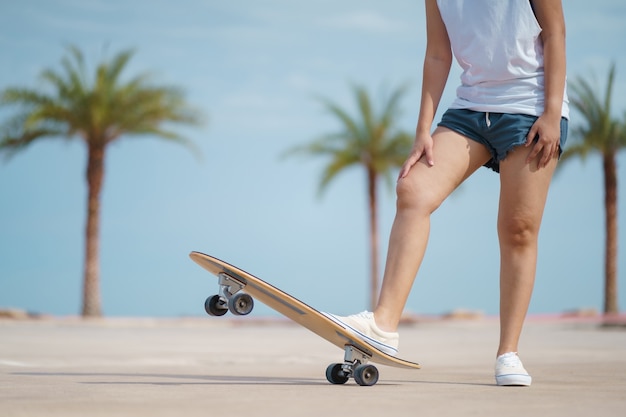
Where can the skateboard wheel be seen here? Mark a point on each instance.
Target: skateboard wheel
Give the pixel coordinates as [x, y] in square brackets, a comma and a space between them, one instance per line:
[241, 304]
[215, 306]
[335, 374]
[366, 375]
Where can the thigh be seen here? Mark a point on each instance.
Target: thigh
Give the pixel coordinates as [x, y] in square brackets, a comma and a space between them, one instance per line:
[456, 158]
[523, 188]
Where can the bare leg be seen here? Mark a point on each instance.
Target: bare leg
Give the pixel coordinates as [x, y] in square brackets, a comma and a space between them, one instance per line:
[523, 193]
[419, 194]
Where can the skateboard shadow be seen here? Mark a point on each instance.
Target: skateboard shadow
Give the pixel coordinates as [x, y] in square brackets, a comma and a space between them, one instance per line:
[177, 379]
[161, 379]
[475, 384]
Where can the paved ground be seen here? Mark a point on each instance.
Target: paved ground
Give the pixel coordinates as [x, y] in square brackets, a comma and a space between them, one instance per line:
[210, 367]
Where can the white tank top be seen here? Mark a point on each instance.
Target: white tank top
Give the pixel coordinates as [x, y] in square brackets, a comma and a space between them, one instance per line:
[498, 46]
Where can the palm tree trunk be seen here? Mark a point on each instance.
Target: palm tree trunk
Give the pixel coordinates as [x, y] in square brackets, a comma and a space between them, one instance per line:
[91, 279]
[610, 206]
[373, 212]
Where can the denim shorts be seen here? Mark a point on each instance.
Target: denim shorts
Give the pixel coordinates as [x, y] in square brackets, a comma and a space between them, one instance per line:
[498, 132]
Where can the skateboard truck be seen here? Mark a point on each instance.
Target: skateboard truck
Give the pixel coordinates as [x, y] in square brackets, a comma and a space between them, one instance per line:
[229, 298]
[354, 365]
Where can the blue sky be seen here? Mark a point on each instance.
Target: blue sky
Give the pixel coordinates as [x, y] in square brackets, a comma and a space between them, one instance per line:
[254, 68]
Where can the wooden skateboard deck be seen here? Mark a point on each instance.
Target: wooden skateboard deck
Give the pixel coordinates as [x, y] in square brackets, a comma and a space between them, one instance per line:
[237, 291]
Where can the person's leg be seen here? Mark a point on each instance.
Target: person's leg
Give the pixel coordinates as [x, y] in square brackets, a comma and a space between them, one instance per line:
[418, 195]
[523, 193]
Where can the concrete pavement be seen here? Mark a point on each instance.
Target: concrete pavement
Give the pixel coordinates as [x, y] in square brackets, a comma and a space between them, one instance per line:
[211, 366]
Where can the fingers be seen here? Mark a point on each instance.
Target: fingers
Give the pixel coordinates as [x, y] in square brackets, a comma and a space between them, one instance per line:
[534, 151]
[533, 134]
[544, 141]
[426, 152]
[408, 164]
[544, 150]
[545, 157]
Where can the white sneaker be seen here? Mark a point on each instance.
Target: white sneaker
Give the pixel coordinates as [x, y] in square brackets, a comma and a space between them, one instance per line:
[510, 371]
[364, 327]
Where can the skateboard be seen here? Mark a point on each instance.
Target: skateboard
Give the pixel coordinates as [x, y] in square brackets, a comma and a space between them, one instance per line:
[238, 290]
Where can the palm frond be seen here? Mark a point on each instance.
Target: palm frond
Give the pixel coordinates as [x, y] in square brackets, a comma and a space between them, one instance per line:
[368, 129]
[369, 137]
[349, 124]
[75, 70]
[99, 111]
[339, 162]
[600, 131]
[114, 69]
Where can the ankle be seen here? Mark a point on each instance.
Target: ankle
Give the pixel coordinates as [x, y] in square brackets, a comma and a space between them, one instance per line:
[383, 322]
[504, 352]
[502, 349]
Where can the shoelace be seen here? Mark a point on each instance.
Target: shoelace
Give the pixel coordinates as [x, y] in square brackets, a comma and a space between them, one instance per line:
[364, 315]
[510, 361]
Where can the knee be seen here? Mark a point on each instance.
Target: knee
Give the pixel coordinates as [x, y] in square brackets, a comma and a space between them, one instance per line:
[518, 232]
[414, 196]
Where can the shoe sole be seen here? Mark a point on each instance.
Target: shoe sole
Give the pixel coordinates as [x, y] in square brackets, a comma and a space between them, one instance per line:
[520, 380]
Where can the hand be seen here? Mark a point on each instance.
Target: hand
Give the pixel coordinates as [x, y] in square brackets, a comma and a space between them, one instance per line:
[423, 147]
[545, 137]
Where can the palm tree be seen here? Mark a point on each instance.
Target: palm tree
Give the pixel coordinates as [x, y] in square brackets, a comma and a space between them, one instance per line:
[370, 139]
[603, 134]
[99, 112]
